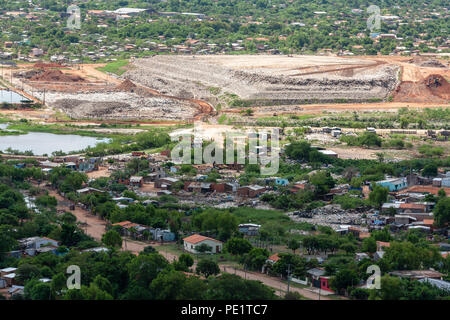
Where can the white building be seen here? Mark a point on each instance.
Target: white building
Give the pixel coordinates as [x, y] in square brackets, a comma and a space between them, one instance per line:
[191, 242]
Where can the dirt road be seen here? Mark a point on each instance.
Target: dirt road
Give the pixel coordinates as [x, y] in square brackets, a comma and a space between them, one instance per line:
[273, 282]
[341, 107]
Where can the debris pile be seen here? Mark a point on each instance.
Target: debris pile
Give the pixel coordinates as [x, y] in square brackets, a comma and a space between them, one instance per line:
[432, 64]
[126, 85]
[438, 85]
[56, 76]
[328, 215]
[41, 65]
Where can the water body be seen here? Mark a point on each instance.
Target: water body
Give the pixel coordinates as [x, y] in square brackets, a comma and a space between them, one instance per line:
[45, 143]
[11, 97]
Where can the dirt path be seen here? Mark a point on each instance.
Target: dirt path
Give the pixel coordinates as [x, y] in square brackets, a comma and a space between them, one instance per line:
[330, 107]
[273, 282]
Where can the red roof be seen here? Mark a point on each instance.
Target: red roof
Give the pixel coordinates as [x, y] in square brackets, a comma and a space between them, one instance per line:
[425, 189]
[428, 221]
[196, 238]
[126, 224]
[383, 244]
[274, 257]
[412, 206]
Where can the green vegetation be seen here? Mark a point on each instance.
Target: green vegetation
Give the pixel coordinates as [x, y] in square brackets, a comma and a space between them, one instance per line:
[116, 67]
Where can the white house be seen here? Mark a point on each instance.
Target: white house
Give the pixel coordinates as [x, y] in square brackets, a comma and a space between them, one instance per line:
[191, 242]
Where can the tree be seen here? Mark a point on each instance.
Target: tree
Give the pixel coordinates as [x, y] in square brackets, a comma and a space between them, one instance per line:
[378, 196]
[144, 268]
[293, 245]
[148, 250]
[185, 261]
[238, 246]
[369, 245]
[407, 256]
[103, 284]
[70, 235]
[207, 267]
[293, 295]
[442, 211]
[430, 170]
[112, 239]
[27, 271]
[255, 259]
[58, 283]
[174, 285]
[323, 182]
[344, 279]
[298, 150]
[232, 287]
[370, 139]
[36, 290]
[391, 289]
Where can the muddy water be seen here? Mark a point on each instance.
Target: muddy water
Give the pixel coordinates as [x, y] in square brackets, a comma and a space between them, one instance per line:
[45, 143]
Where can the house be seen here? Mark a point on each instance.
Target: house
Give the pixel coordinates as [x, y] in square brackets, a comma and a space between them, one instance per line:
[426, 190]
[412, 208]
[10, 279]
[191, 242]
[251, 191]
[89, 190]
[5, 271]
[249, 229]
[35, 245]
[16, 290]
[162, 235]
[381, 245]
[314, 276]
[165, 183]
[199, 187]
[134, 230]
[404, 219]
[361, 256]
[136, 181]
[131, 11]
[329, 153]
[441, 284]
[393, 184]
[223, 187]
[270, 262]
[417, 274]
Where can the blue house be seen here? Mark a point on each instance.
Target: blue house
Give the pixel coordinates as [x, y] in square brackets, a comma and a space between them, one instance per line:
[394, 184]
[164, 235]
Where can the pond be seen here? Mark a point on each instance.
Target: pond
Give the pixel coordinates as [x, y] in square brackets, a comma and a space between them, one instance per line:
[45, 143]
[11, 97]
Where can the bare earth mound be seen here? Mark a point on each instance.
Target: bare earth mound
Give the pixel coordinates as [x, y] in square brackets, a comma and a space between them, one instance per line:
[56, 76]
[434, 89]
[267, 79]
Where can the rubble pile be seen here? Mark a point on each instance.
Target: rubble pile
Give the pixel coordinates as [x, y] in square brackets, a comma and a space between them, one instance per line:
[432, 64]
[265, 84]
[120, 105]
[329, 215]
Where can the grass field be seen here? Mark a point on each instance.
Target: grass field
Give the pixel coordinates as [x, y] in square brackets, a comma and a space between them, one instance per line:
[116, 67]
